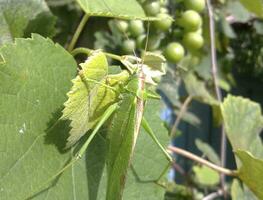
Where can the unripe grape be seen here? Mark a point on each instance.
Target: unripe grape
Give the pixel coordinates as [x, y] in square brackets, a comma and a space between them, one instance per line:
[122, 25]
[193, 41]
[128, 46]
[164, 23]
[174, 52]
[136, 27]
[197, 5]
[152, 8]
[190, 20]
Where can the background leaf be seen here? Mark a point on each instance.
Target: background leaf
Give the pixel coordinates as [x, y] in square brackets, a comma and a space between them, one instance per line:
[239, 192]
[255, 6]
[251, 172]
[208, 151]
[19, 18]
[243, 123]
[206, 176]
[113, 8]
[196, 88]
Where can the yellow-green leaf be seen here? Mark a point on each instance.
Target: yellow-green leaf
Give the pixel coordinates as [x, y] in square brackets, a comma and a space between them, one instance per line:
[251, 172]
[243, 122]
[206, 176]
[89, 97]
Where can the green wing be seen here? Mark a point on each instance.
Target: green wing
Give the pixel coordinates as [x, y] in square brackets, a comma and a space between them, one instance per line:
[120, 143]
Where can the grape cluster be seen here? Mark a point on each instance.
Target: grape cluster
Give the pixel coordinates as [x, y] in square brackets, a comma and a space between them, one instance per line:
[178, 31]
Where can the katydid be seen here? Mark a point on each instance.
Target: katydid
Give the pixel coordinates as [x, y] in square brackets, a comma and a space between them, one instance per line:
[116, 101]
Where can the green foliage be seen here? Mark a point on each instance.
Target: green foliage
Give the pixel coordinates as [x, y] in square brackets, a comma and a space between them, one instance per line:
[208, 151]
[35, 76]
[255, 6]
[251, 172]
[206, 176]
[21, 18]
[241, 193]
[197, 89]
[243, 123]
[39, 151]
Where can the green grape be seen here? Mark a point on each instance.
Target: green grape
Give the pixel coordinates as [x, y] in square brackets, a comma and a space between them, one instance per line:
[128, 46]
[164, 23]
[174, 52]
[136, 27]
[122, 25]
[152, 8]
[190, 20]
[193, 41]
[197, 5]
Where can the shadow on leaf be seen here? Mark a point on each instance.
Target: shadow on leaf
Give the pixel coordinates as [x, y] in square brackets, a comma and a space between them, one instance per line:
[58, 132]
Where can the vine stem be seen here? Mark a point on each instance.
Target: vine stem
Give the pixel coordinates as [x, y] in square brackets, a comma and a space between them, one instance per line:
[180, 115]
[82, 50]
[78, 32]
[214, 195]
[215, 79]
[202, 161]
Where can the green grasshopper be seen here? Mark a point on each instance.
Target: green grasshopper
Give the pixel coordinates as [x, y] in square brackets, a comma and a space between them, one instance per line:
[120, 98]
[113, 100]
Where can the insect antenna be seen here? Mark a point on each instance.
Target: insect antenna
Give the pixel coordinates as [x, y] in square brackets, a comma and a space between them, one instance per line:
[139, 63]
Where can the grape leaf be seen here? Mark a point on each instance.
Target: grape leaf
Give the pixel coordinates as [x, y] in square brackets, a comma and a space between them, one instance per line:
[251, 172]
[241, 193]
[131, 9]
[87, 100]
[255, 6]
[34, 77]
[243, 123]
[20, 16]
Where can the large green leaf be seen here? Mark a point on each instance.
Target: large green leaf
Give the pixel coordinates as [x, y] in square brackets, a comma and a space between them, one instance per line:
[130, 9]
[255, 6]
[251, 172]
[34, 79]
[22, 17]
[243, 123]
